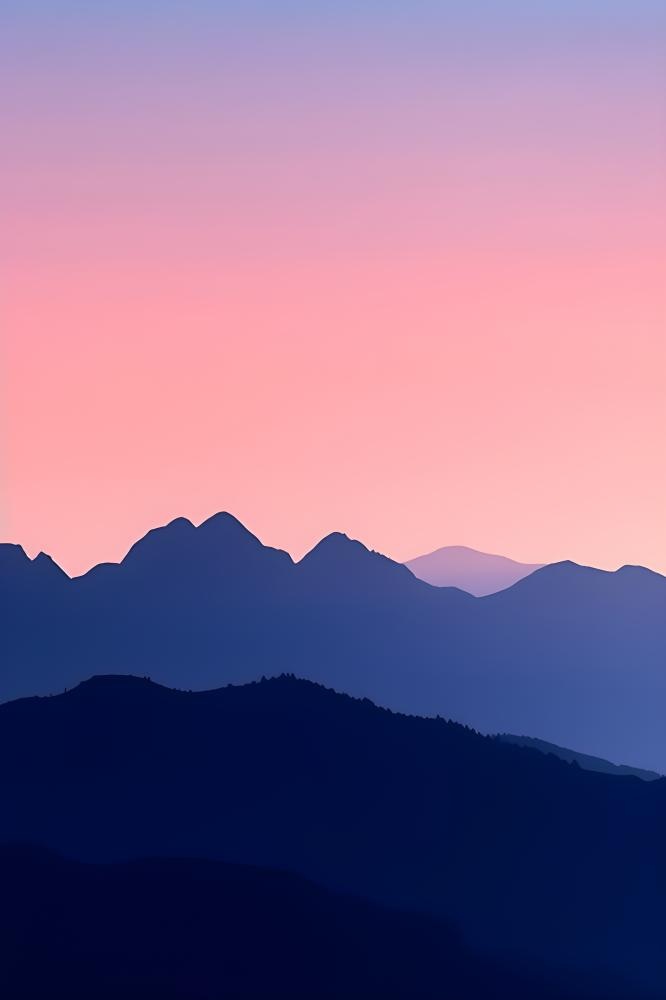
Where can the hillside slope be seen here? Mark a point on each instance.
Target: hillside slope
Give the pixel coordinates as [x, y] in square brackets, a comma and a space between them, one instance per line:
[528, 855]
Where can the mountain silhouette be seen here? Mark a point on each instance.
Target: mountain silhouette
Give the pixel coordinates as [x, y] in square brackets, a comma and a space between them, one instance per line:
[583, 760]
[338, 564]
[478, 573]
[166, 929]
[575, 655]
[535, 860]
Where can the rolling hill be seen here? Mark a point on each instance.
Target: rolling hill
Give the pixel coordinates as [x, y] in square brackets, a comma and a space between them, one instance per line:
[535, 860]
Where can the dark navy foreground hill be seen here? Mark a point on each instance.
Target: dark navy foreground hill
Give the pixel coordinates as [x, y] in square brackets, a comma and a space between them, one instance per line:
[532, 858]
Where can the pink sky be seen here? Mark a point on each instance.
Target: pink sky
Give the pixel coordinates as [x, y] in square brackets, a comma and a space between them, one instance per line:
[349, 291]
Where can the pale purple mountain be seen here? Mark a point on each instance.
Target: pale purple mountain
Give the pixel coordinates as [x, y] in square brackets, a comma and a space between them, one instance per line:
[479, 573]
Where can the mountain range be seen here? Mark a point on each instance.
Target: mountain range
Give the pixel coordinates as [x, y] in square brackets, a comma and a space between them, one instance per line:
[535, 862]
[573, 655]
[478, 573]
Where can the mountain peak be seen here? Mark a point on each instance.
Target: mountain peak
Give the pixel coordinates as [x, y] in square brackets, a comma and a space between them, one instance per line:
[632, 590]
[219, 549]
[111, 688]
[346, 562]
[336, 543]
[337, 547]
[478, 573]
[44, 562]
[224, 526]
[639, 572]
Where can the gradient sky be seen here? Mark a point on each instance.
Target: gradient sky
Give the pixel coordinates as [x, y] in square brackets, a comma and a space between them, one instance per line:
[391, 268]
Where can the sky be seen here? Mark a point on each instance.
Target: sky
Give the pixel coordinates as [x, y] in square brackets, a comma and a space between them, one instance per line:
[391, 268]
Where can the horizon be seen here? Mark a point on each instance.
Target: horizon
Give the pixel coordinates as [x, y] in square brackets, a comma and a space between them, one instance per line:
[32, 554]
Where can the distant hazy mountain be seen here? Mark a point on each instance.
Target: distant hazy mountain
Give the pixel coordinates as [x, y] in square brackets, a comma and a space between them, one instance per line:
[528, 855]
[583, 760]
[183, 929]
[574, 655]
[478, 573]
